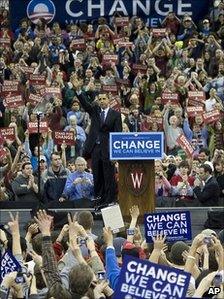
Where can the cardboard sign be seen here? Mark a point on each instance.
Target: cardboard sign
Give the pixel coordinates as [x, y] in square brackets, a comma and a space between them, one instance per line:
[34, 99]
[113, 218]
[108, 59]
[142, 279]
[8, 264]
[196, 98]
[122, 21]
[139, 68]
[32, 127]
[168, 96]
[7, 133]
[9, 87]
[175, 225]
[13, 101]
[61, 137]
[110, 88]
[159, 32]
[211, 117]
[78, 44]
[193, 111]
[185, 145]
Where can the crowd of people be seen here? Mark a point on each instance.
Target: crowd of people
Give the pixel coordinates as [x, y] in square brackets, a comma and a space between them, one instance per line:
[168, 79]
[76, 263]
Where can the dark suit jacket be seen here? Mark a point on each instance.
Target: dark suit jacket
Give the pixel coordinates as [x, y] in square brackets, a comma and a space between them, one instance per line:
[98, 131]
[209, 195]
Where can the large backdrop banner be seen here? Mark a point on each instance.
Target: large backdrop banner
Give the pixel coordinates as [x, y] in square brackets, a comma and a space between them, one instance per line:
[66, 11]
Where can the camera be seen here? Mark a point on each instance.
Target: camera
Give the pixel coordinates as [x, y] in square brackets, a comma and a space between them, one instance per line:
[217, 281]
[20, 275]
[81, 241]
[101, 275]
[130, 231]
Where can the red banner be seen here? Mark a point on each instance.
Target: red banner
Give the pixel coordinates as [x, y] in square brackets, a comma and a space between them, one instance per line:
[123, 44]
[108, 59]
[61, 137]
[211, 117]
[13, 101]
[34, 99]
[168, 96]
[123, 82]
[196, 98]
[10, 87]
[7, 133]
[122, 21]
[32, 127]
[4, 41]
[185, 145]
[124, 111]
[78, 44]
[110, 88]
[27, 69]
[139, 68]
[114, 104]
[159, 32]
[38, 81]
[52, 92]
[193, 111]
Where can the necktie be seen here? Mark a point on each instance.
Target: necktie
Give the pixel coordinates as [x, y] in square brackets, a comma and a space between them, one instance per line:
[102, 116]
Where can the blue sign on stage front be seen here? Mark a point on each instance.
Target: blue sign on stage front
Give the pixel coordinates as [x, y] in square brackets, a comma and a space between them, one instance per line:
[136, 146]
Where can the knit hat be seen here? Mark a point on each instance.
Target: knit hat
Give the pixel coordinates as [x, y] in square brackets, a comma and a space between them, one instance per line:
[176, 252]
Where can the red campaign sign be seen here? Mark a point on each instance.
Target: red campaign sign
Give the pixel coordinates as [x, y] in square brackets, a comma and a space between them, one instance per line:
[78, 44]
[185, 145]
[32, 127]
[114, 104]
[61, 137]
[11, 83]
[5, 41]
[122, 21]
[108, 59]
[124, 111]
[34, 99]
[168, 96]
[27, 69]
[196, 98]
[125, 44]
[139, 68]
[13, 101]
[123, 82]
[193, 111]
[3, 153]
[7, 133]
[110, 88]
[52, 92]
[159, 32]
[211, 117]
[9, 86]
[37, 80]
[117, 40]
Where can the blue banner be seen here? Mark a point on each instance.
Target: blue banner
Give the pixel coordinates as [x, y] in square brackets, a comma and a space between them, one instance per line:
[143, 279]
[8, 264]
[175, 225]
[136, 146]
[66, 11]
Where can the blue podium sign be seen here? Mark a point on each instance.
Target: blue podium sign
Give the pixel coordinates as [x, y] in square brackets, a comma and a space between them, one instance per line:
[136, 146]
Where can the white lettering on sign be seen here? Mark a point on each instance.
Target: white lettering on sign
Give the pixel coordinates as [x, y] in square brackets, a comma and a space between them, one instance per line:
[140, 144]
[145, 6]
[136, 179]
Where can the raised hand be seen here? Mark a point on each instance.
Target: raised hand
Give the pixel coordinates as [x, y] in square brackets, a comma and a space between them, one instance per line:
[14, 223]
[44, 222]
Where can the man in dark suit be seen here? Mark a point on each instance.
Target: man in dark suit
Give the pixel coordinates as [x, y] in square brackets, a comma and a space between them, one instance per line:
[103, 121]
[206, 187]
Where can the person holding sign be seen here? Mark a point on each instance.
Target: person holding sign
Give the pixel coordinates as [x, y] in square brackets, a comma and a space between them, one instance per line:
[103, 121]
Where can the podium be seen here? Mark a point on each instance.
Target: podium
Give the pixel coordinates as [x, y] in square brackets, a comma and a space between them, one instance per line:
[136, 153]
